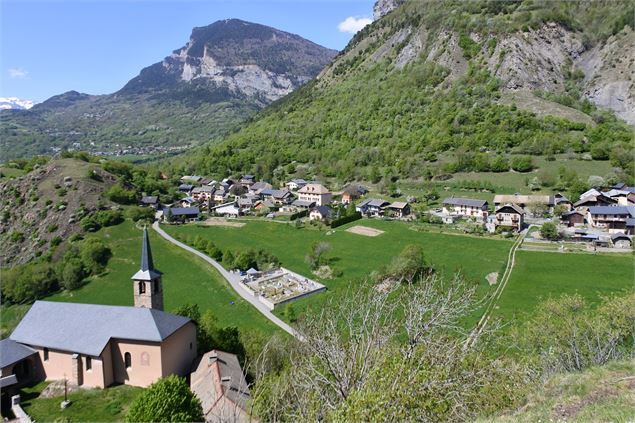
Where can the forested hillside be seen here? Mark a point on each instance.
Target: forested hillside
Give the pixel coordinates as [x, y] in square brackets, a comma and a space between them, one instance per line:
[433, 88]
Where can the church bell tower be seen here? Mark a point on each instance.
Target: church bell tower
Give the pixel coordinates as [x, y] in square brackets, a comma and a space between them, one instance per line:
[148, 291]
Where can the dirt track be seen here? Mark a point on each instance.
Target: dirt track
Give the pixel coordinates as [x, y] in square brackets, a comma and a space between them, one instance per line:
[364, 230]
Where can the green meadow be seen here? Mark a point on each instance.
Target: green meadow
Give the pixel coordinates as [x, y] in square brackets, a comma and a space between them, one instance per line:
[540, 275]
[356, 256]
[186, 279]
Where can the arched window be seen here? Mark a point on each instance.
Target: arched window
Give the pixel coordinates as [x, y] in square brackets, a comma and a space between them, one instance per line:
[127, 358]
[89, 363]
[142, 287]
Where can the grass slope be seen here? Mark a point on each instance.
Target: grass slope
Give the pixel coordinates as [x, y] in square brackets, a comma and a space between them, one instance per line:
[539, 275]
[355, 255]
[185, 279]
[599, 394]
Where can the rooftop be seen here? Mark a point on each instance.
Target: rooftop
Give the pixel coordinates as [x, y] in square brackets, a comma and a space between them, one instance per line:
[87, 328]
[11, 352]
[469, 202]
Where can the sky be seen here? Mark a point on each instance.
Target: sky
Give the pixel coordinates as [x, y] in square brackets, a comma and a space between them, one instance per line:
[48, 47]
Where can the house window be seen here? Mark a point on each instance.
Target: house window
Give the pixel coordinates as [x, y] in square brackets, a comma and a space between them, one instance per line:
[127, 358]
[142, 287]
[46, 354]
[89, 363]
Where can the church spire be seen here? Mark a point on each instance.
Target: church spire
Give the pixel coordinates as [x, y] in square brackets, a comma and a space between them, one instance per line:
[148, 291]
[146, 253]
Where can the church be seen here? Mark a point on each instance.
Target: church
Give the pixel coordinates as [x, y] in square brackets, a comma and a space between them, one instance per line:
[99, 345]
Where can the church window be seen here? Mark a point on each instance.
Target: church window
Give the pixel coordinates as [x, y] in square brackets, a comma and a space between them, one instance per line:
[128, 360]
[89, 363]
[142, 287]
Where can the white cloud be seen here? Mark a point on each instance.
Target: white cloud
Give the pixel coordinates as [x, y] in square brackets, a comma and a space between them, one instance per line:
[352, 24]
[17, 73]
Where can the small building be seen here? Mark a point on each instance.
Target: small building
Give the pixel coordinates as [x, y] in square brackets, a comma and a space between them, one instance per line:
[187, 202]
[219, 383]
[203, 194]
[303, 204]
[317, 193]
[321, 213]
[372, 207]
[621, 240]
[247, 180]
[593, 201]
[352, 192]
[228, 209]
[181, 214]
[466, 207]
[19, 365]
[573, 218]
[296, 184]
[278, 196]
[149, 201]
[185, 188]
[191, 178]
[398, 209]
[525, 202]
[561, 200]
[510, 216]
[258, 187]
[610, 218]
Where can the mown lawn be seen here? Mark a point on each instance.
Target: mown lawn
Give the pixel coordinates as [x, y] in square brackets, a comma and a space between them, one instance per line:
[186, 279]
[540, 275]
[91, 405]
[356, 255]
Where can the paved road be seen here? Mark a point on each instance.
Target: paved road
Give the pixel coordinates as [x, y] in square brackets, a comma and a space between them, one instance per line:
[234, 281]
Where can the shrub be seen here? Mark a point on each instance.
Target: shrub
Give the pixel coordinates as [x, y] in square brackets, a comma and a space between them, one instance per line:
[140, 213]
[522, 163]
[121, 195]
[167, 400]
[549, 231]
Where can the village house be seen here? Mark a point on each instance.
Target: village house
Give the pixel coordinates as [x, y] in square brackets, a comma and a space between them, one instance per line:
[203, 194]
[99, 345]
[610, 218]
[187, 202]
[258, 187]
[510, 216]
[296, 184]
[181, 214]
[228, 209]
[321, 213]
[352, 193]
[247, 181]
[592, 201]
[218, 381]
[185, 188]
[278, 196]
[573, 218]
[303, 204]
[529, 203]
[149, 201]
[372, 207]
[561, 200]
[317, 193]
[191, 178]
[398, 209]
[621, 240]
[466, 207]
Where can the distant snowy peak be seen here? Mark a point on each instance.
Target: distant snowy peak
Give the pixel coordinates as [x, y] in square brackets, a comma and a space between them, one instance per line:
[15, 103]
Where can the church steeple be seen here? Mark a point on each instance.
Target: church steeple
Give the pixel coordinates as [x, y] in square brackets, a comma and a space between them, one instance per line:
[148, 291]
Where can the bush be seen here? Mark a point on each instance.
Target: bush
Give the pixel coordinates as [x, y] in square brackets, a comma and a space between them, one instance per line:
[121, 195]
[167, 400]
[499, 164]
[549, 231]
[22, 284]
[522, 163]
[140, 213]
[94, 255]
[72, 274]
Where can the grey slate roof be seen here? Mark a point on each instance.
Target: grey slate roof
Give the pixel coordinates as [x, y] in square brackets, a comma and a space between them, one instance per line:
[150, 199]
[303, 203]
[147, 272]
[616, 210]
[325, 211]
[620, 235]
[183, 211]
[11, 352]
[87, 328]
[377, 203]
[468, 202]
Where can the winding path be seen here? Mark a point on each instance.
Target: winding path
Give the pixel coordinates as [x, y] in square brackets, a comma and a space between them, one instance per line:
[234, 281]
[511, 260]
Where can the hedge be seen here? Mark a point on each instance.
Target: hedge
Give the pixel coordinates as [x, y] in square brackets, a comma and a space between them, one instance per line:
[299, 214]
[346, 219]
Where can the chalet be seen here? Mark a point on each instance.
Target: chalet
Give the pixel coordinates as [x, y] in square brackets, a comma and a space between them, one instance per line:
[573, 218]
[561, 200]
[321, 213]
[187, 202]
[204, 193]
[352, 193]
[317, 193]
[510, 216]
[149, 201]
[593, 201]
[258, 187]
[185, 187]
[265, 206]
[181, 214]
[610, 218]
[247, 180]
[191, 178]
[99, 345]
[372, 207]
[526, 201]
[218, 381]
[221, 195]
[398, 209]
[623, 197]
[467, 207]
[246, 202]
[296, 184]
[621, 240]
[278, 196]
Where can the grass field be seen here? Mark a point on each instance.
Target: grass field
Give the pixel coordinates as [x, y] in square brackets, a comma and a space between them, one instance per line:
[186, 278]
[94, 405]
[355, 255]
[540, 275]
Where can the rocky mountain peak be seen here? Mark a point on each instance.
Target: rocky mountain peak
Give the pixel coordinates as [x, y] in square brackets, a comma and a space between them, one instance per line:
[383, 7]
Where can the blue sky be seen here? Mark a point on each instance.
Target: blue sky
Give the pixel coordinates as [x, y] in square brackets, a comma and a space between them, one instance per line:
[49, 47]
